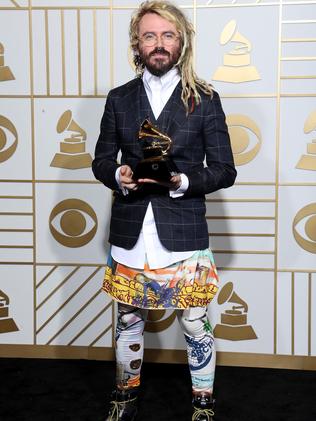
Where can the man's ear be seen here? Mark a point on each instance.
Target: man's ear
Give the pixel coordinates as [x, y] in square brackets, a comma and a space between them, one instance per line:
[137, 60]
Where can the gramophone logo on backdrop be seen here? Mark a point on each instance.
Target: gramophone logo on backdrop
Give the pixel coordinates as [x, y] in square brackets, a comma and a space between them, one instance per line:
[5, 71]
[233, 324]
[73, 223]
[308, 161]
[240, 127]
[157, 322]
[236, 66]
[72, 155]
[308, 213]
[7, 131]
[7, 324]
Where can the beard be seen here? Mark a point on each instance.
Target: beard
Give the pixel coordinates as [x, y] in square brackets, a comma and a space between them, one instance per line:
[158, 66]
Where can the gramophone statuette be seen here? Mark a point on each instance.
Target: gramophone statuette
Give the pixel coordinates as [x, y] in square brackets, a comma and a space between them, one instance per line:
[234, 325]
[156, 163]
[7, 324]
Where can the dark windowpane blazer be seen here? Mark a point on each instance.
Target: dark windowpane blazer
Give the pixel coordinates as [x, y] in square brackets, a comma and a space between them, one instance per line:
[198, 138]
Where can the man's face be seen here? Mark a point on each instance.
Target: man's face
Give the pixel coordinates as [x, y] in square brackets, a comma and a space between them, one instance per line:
[159, 58]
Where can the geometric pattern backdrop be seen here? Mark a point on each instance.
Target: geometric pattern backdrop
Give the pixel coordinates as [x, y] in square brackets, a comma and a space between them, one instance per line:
[58, 60]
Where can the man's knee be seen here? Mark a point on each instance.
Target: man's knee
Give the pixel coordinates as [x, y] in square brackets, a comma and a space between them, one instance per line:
[194, 322]
[130, 319]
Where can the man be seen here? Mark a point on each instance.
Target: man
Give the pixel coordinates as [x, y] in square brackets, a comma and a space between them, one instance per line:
[160, 256]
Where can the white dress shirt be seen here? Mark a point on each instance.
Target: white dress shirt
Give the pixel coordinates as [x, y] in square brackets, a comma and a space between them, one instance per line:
[148, 248]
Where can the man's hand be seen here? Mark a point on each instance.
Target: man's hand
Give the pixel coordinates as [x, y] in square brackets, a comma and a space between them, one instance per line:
[126, 180]
[173, 184]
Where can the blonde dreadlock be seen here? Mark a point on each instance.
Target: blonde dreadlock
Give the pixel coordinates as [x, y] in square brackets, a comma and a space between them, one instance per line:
[189, 79]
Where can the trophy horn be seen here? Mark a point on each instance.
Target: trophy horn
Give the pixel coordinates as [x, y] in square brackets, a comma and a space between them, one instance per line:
[227, 294]
[66, 122]
[148, 130]
[230, 33]
[156, 163]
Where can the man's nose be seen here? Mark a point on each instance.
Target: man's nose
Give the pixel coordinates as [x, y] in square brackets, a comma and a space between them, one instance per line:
[159, 41]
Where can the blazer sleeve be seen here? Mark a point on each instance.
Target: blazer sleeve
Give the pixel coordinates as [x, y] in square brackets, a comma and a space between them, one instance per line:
[219, 171]
[105, 163]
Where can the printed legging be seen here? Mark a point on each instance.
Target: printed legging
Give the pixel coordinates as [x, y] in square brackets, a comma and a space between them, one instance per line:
[130, 346]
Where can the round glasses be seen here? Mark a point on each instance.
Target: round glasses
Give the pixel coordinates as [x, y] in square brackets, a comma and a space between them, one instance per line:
[167, 38]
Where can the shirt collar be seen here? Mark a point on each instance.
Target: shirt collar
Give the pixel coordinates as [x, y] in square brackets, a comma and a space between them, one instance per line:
[169, 79]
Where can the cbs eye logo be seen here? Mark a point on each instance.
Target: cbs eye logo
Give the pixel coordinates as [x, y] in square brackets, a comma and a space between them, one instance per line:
[7, 130]
[310, 227]
[77, 221]
[157, 322]
[245, 138]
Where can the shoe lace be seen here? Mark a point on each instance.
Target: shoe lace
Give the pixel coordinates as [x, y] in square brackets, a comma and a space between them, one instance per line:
[198, 412]
[116, 407]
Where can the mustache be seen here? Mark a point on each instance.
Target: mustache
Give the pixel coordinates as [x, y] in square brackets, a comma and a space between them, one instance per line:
[159, 50]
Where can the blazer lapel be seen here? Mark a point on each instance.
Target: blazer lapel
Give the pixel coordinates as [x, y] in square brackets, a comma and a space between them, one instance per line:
[136, 104]
[133, 106]
[177, 111]
[171, 117]
[145, 107]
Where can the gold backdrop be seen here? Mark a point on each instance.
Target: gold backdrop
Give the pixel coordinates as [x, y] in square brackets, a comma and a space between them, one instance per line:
[58, 60]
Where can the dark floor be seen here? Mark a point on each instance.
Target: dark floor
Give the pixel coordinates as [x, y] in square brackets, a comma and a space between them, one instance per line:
[76, 390]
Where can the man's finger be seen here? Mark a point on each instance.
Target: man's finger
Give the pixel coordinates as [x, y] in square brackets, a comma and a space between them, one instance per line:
[126, 171]
[148, 180]
[127, 180]
[130, 186]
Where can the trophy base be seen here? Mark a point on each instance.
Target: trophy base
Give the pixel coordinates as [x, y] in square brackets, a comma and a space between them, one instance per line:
[8, 325]
[307, 162]
[71, 162]
[161, 169]
[4, 312]
[234, 333]
[236, 74]
[6, 74]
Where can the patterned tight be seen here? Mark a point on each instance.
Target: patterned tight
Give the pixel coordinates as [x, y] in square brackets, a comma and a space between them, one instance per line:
[130, 346]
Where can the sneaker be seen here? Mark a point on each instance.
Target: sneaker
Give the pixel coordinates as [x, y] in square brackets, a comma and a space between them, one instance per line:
[202, 405]
[123, 405]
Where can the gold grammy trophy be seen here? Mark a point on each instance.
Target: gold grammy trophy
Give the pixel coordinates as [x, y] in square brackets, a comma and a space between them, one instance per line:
[157, 163]
[72, 149]
[308, 161]
[5, 72]
[6, 323]
[233, 325]
[236, 67]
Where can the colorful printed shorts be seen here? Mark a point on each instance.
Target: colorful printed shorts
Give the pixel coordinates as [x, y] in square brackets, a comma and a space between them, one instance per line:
[189, 283]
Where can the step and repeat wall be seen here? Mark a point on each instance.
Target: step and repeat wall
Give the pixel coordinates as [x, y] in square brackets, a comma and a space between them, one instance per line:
[58, 60]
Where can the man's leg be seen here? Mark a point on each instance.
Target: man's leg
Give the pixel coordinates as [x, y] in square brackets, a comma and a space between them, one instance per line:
[129, 340]
[129, 357]
[201, 357]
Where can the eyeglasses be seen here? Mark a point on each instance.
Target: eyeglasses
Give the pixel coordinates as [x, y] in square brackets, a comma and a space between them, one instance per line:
[167, 38]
